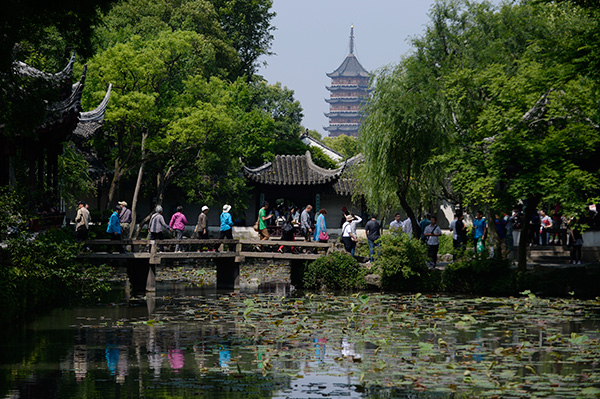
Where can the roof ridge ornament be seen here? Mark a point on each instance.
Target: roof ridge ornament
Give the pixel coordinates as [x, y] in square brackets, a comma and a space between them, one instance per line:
[351, 39]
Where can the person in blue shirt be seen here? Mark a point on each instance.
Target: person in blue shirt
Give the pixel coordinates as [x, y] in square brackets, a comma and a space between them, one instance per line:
[114, 227]
[479, 229]
[424, 223]
[226, 223]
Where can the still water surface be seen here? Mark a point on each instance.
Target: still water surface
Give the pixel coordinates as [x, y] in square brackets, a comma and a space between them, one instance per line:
[269, 343]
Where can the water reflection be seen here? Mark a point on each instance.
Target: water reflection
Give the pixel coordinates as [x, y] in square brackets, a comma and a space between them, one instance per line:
[183, 341]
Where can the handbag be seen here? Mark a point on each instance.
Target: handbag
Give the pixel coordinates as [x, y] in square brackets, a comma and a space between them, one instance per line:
[256, 226]
[323, 236]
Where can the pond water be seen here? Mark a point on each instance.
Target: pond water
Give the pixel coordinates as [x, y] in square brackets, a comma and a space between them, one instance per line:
[185, 342]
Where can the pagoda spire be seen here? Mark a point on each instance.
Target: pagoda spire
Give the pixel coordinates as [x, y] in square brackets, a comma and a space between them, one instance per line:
[351, 39]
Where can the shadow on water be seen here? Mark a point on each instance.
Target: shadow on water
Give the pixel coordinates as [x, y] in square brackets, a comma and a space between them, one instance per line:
[269, 341]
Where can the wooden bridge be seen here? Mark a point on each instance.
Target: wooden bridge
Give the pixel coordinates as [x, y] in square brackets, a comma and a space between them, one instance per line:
[142, 256]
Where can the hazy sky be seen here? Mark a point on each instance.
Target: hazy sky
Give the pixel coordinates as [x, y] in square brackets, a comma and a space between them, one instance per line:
[312, 39]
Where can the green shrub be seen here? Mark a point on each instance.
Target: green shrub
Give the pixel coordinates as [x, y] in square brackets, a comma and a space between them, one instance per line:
[400, 261]
[41, 272]
[446, 245]
[334, 271]
[478, 274]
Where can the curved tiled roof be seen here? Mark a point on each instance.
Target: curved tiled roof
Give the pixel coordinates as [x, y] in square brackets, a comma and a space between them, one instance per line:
[349, 68]
[23, 69]
[289, 170]
[91, 121]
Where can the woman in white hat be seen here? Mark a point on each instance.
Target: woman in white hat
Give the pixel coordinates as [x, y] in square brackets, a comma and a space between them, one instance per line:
[226, 223]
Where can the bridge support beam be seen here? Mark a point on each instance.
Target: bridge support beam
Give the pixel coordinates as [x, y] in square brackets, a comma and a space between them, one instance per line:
[228, 273]
[142, 275]
[297, 272]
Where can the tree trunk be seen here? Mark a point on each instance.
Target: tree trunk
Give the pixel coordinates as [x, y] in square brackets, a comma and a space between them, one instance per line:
[162, 181]
[494, 238]
[114, 184]
[411, 215]
[138, 184]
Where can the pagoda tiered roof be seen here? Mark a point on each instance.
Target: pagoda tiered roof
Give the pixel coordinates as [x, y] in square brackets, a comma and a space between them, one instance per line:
[348, 87]
[350, 67]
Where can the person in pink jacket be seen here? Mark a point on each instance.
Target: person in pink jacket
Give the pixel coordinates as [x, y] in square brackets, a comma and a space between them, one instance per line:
[177, 224]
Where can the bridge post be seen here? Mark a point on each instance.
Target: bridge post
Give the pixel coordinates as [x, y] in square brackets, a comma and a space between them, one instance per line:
[142, 275]
[297, 267]
[228, 273]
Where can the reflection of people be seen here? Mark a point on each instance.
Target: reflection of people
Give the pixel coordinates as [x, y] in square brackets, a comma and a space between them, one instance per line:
[224, 358]
[176, 359]
[320, 348]
[155, 358]
[80, 362]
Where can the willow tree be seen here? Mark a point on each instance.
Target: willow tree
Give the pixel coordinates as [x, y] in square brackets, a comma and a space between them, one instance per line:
[400, 138]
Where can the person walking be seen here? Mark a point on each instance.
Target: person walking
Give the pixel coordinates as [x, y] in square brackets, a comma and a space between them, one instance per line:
[424, 223]
[305, 223]
[479, 232]
[287, 229]
[157, 225]
[263, 232]
[177, 224]
[321, 228]
[82, 221]
[575, 241]
[125, 219]
[455, 243]
[397, 226]
[114, 227]
[461, 231]
[226, 223]
[373, 232]
[432, 233]
[344, 214]
[348, 237]
[201, 230]
[545, 224]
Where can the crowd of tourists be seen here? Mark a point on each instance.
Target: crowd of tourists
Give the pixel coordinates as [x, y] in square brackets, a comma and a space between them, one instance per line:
[291, 221]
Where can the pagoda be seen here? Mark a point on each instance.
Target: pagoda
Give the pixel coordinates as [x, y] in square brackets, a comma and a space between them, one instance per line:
[348, 92]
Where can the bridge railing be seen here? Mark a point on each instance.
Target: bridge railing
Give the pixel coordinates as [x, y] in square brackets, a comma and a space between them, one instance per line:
[208, 245]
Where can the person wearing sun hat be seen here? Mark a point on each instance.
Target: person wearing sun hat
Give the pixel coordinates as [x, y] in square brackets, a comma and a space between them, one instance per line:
[125, 219]
[226, 223]
[202, 226]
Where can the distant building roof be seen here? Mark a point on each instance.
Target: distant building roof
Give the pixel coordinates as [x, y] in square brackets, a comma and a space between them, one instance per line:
[312, 142]
[290, 170]
[349, 68]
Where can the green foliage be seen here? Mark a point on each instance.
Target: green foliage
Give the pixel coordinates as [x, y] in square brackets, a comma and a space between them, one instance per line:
[478, 274]
[345, 145]
[40, 272]
[446, 244]
[247, 25]
[334, 271]
[400, 261]
[321, 159]
[74, 179]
